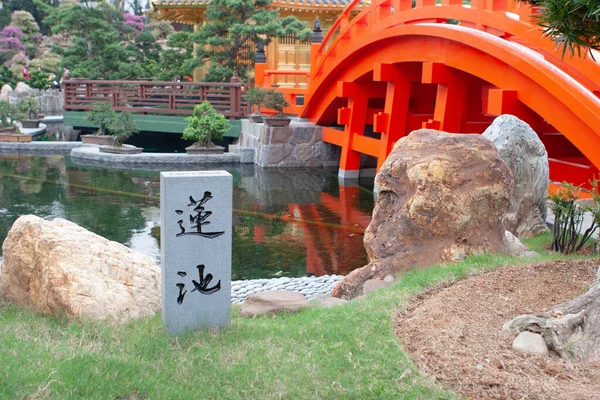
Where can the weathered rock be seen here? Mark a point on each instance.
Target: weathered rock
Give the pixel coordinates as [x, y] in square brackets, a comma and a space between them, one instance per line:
[514, 245]
[389, 279]
[272, 302]
[374, 284]
[22, 87]
[441, 197]
[57, 267]
[525, 154]
[530, 343]
[325, 301]
[5, 92]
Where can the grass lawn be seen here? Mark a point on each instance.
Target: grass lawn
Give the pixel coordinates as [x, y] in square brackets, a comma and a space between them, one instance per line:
[348, 352]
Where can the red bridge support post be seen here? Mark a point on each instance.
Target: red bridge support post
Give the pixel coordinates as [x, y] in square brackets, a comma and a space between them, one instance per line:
[392, 121]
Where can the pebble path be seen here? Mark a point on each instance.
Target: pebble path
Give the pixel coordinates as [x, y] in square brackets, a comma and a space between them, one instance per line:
[308, 286]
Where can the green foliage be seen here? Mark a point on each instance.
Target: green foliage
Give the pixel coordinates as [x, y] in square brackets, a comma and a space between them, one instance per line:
[102, 115]
[97, 33]
[7, 76]
[569, 217]
[177, 59]
[48, 62]
[160, 29]
[204, 125]
[136, 6]
[6, 114]
[572, 24]
[31, 31]
[257, 96]
[122, 127]
[28, 108]
[39, 80]
[232, 26]
[276, 101]
[39, 9]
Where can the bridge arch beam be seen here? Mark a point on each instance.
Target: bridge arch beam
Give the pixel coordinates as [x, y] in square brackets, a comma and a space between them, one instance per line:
[552, 94]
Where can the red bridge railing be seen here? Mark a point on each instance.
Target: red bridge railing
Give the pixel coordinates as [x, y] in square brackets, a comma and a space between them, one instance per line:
[149, 97]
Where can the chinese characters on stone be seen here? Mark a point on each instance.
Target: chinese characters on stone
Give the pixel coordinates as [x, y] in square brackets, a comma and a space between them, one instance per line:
[198, 218]
[201, 286]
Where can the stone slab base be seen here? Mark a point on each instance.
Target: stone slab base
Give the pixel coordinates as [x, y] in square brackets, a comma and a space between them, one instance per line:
[298, 145]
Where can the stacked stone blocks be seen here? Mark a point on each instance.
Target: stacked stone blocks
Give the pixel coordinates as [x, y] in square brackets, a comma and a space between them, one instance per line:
[295, 146]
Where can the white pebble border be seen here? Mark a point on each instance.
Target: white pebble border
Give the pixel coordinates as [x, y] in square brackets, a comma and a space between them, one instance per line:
[308, 286]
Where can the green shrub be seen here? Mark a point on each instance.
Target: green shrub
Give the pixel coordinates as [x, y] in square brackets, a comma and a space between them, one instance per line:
[6, 114]
[568, 217]
[39, 80]
[28, 108]
[122, 127]
[257, 96]
[204, 125]
[276, 101]
[101, 115]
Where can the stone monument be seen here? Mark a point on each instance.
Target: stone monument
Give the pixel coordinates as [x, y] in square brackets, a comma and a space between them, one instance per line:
[195, 241]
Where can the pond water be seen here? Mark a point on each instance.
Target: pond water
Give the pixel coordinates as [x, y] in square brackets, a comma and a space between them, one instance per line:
[291, 223]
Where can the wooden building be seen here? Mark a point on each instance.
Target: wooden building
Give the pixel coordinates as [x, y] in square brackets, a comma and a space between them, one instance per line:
[282, 53]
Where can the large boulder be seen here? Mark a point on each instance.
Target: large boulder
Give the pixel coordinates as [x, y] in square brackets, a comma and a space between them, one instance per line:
[5, 92]
[22, 87]
[441, 197]
[525, 154]
[272, 302]
[57, 267]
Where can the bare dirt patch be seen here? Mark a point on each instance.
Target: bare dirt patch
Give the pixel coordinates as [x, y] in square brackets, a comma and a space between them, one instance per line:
[454, 333]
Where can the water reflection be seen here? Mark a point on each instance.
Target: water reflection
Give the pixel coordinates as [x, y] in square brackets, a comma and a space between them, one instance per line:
[284, 224]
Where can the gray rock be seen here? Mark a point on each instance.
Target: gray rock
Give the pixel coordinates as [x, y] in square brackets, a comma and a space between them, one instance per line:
[272, 302]
[388, 279]
[374, 284]
[530, 343]
[22, 87]
[5, 92]
[514, 245]
[324, 301]
[525, 154]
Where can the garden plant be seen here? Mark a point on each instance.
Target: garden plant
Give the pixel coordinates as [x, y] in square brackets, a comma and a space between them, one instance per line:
[205, 125]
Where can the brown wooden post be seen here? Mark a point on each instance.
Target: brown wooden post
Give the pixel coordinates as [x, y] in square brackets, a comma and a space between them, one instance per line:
[234, 96]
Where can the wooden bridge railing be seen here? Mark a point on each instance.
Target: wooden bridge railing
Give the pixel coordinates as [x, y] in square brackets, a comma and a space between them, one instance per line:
[156, 97]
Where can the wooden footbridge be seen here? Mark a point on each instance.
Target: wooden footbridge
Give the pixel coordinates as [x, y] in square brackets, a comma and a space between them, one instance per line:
[393, 66]
[156, 106]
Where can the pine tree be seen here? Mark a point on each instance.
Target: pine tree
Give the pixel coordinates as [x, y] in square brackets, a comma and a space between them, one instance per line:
[573, 25]
[233, 27]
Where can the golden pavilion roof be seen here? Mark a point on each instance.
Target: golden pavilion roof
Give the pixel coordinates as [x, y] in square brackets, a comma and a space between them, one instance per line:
[191, 11]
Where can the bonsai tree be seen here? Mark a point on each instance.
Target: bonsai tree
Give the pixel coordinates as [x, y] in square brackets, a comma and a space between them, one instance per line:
[276, 101]
[6, 114]
[204, 125]
[257, 96]
[29, 108]
[102, 115]
[122, 127]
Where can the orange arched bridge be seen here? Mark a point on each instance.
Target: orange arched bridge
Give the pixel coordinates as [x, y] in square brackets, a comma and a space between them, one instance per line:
[390, 67]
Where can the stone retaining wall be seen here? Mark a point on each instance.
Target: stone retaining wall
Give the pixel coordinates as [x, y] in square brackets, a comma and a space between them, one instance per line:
[51, 101]
[92, 156]
[295, 146]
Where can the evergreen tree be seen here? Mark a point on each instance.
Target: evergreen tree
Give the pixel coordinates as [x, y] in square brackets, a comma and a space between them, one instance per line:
[177, 59]
[97, 32]
[31, 36]
[39, 9]
[232, 27]
[136, 6]
[572, 24]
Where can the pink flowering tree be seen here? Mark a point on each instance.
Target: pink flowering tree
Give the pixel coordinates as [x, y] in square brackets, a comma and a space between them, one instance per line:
[134, 22]
[10, 43]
